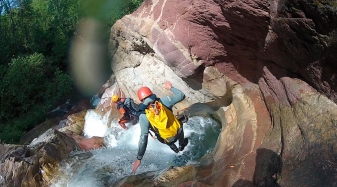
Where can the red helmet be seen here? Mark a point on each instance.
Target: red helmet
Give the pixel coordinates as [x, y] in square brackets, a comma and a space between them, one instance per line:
[144, 92]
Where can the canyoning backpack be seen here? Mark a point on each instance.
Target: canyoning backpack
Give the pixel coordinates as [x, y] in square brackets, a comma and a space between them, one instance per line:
[162, 120]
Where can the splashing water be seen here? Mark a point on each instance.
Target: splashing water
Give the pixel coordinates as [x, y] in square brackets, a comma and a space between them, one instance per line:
[94, 124]
[1, 180]
[104, 167]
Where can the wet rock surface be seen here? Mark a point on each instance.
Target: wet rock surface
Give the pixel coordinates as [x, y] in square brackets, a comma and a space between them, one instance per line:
[34, 164]
[266, 69]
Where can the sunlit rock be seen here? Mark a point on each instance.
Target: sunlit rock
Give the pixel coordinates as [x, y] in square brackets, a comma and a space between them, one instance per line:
[175, 176]
[74, 123]
[91, 143]
[265, 68]
[40, 129]
[33, 165]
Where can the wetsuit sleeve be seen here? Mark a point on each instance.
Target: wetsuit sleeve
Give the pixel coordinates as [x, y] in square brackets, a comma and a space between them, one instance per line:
[177, 96]
[142, 107]
[144, 132]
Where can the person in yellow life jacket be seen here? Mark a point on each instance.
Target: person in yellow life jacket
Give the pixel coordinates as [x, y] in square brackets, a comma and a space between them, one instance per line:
[127, 109]
[156, 115]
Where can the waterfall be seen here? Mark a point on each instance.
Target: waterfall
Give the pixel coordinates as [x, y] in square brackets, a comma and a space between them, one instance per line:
[105, 166]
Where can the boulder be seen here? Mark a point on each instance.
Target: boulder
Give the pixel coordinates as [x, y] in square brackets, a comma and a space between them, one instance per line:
[34, 164]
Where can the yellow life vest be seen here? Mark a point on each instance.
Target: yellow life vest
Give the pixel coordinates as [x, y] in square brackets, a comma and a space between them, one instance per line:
[162, 120]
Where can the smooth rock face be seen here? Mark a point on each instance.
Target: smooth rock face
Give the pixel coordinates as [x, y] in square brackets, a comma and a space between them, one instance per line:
[238, 38]
[74, 123]
[307, 122]
[272, 63]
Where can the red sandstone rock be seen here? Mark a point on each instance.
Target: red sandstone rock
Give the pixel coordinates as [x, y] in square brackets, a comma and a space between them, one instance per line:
[91, 143]
[276, 53]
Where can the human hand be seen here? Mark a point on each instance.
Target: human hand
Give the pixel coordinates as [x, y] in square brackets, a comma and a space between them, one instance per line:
[153, 137]
[168, 85]
[135, 165]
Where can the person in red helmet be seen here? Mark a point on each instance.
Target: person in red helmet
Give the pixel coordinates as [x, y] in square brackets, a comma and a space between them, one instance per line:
[172, 130]
[127, 109]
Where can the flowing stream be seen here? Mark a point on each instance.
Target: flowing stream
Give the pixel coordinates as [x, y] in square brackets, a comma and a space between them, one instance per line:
[105, 166]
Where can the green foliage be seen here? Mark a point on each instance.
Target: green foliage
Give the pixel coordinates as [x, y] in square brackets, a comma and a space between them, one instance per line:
[108, 12]
[12, 132]
[39, 26]
[34, 46]
[21, 86]
[62, 85]
[332, 3]
[119, 9]
[26, 84]
[27, 93]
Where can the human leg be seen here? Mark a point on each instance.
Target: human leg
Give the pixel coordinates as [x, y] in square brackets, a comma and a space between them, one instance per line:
[125, 119]
[182, 140]
[170, 144]
[171, 141]
[122, 124]
[144, 131]
[173, 147]
[134, 119]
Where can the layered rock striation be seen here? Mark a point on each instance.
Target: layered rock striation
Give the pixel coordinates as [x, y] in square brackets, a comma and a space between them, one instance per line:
[268, 68]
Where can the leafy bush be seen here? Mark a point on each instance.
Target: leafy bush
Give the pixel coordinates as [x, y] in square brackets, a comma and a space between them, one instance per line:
[16, 128]
[27, 93]
[35, 42]
[22, 86]
[59, 87]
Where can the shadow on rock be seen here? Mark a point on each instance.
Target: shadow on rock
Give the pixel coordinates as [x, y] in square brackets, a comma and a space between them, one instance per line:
[268, 168]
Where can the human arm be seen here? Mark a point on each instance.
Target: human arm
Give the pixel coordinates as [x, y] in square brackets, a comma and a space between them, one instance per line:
[141, 108]
[135, 165]
[142, 143]
[177, 96]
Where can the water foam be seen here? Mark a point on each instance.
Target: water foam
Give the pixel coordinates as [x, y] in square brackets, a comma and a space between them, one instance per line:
[103, 167]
